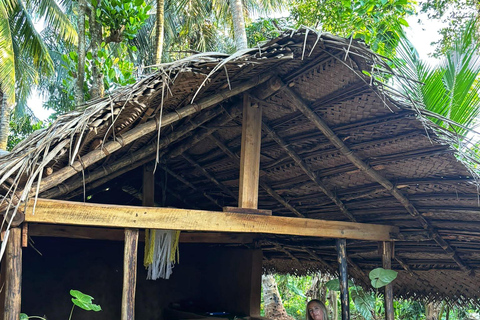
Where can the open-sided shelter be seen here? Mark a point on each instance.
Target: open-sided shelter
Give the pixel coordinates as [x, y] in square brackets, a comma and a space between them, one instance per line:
[344, 165]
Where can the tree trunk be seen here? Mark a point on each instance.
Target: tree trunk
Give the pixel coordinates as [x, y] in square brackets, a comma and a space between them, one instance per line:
[432, 310]
[236, 7]
[79, 95]
[97, 89]
[272, 301]
[332, 304]
[159, 31]
[4, 120]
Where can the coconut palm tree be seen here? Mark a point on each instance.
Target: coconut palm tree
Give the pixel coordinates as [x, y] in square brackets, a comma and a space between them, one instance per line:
[449, 89]
[23, 55]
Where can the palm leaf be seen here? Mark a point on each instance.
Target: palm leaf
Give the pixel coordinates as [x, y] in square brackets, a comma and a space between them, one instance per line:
[31, 42]
[55, 19]
[7, 57]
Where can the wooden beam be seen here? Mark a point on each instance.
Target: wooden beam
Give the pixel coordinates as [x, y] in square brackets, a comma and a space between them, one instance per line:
[343, 272]
[105, 215]
[129, 274]
[387, 264]
[103, 174]
[250, 154]
[13, 281]
[117, 234]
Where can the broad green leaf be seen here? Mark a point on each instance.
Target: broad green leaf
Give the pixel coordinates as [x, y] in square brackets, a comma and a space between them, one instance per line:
[364, 303]
[23, 316]
[84, 301]
[381, 277]
[334, 284]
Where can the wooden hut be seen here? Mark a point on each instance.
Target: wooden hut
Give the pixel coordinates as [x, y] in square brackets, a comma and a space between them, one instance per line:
[288, 157]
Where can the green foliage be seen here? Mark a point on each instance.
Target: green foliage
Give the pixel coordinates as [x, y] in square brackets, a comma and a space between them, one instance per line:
[20, 127]
[79, 299]
[84, 301]
[381, 277]
[334, 284]
[377, 22]
[454, 14]
[122, 17]
[292, 290]
[265, 28]
[364, 302]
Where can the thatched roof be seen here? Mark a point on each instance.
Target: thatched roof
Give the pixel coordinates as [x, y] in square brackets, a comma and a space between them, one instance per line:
[372, 157]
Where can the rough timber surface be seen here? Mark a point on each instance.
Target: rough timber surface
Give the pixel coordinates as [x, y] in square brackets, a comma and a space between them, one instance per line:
[427, 190]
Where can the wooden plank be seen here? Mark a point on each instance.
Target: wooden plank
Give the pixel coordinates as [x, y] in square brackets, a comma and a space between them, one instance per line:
[115, 216]
[250, 154]
[387, 264]
[129, 274]
[116, 234]
[342, 265]
[13, 281]
[247, 210]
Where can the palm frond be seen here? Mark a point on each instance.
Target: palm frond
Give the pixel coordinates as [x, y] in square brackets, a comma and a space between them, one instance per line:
[7, 57]
[31, 41]
[55, 19]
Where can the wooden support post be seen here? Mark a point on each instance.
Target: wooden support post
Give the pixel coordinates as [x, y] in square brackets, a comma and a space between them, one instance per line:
[13, 275]
[131, 250]
[129, 274]
[387, 264]
[256, 283]
[250, 154]
[342, 265]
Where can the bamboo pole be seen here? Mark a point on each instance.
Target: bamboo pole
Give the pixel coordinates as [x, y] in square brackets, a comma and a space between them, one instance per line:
[387, 264]
[368, 170]
[342, 263]
[13, 280]
[129, 274]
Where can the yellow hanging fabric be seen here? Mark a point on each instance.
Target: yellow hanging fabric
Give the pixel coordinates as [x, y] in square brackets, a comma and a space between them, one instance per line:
[149, 247]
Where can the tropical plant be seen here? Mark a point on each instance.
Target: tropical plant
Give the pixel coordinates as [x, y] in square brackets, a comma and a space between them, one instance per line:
[454, 15]
[378, 23]
[81, 300]
[448, 90]
[23, 55]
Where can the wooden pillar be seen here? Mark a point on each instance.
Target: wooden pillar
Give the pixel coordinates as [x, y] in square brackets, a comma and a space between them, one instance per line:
[248, 186]
[250, 154]
[256, 283]
[387, 264]
[342, 265]
[13, 275]
[129, 274]
[131, 249]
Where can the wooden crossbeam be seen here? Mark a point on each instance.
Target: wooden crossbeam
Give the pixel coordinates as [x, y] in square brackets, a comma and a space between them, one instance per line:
[103, 215]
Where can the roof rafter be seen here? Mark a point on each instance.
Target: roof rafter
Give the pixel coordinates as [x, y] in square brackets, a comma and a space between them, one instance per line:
[310, 173]
[367, 169]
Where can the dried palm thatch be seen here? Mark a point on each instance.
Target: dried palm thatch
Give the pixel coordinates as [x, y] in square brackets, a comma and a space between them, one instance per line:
[337, 145]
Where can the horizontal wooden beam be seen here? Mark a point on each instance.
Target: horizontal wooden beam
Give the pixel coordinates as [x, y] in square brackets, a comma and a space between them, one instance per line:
[115, 216]
[117, 234]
